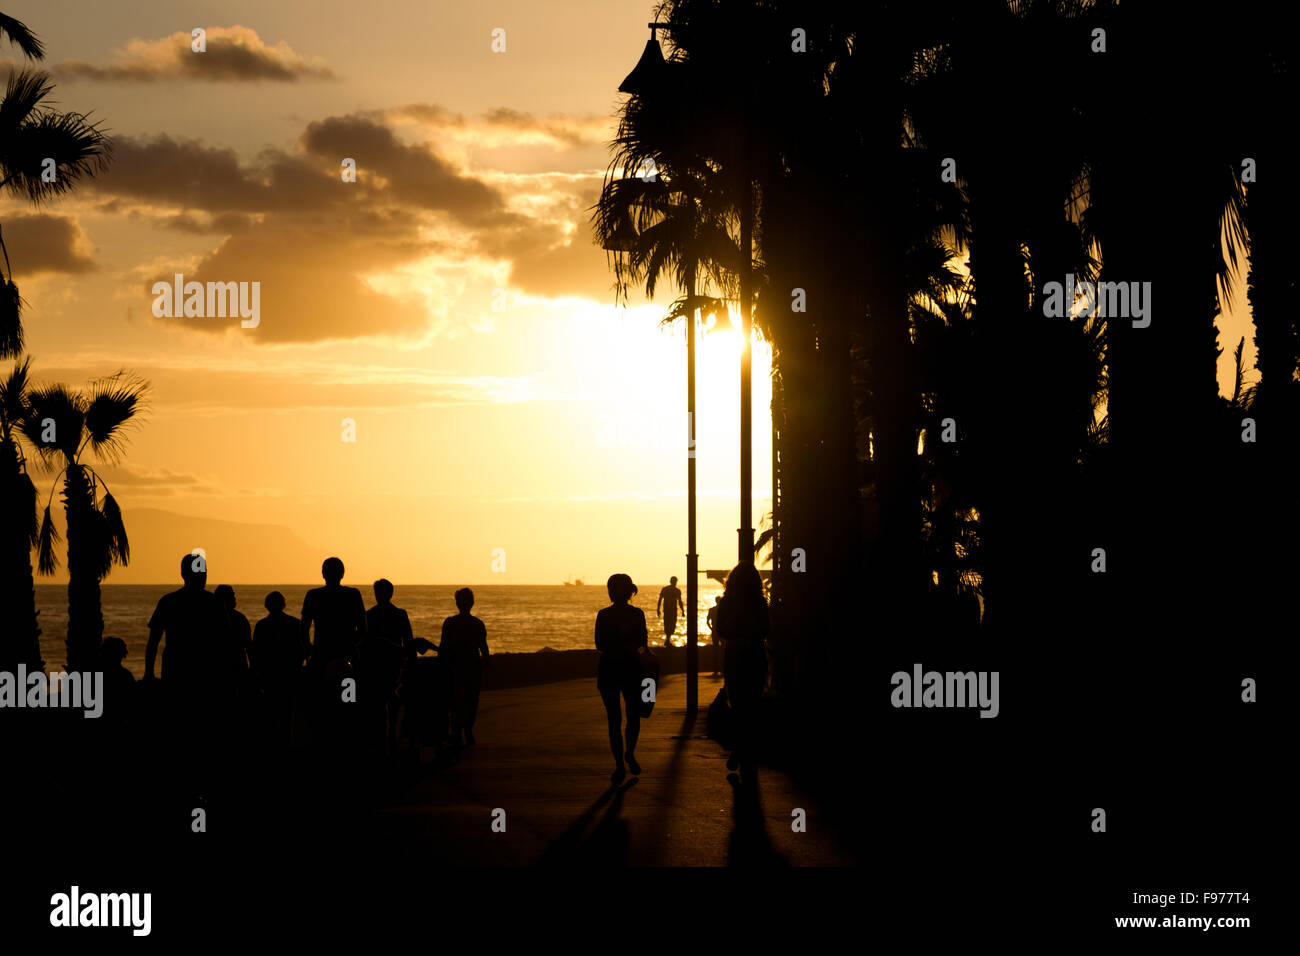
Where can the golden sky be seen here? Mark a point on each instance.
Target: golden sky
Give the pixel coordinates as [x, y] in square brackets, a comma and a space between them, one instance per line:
[449, 302]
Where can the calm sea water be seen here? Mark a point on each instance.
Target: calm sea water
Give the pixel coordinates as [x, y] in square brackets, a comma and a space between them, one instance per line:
[518, 617]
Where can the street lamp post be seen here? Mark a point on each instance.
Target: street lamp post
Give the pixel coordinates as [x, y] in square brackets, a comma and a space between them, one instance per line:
[692, 559]
[647, 72]
[746, 530]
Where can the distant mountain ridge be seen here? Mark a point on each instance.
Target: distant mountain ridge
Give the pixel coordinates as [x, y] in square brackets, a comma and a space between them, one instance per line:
[235, 550]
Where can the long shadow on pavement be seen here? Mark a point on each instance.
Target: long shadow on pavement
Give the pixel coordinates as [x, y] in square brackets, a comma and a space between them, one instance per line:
[749, 844]
[607, 845]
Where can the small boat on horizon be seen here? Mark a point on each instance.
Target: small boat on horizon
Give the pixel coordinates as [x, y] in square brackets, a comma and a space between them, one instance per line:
[575, 583]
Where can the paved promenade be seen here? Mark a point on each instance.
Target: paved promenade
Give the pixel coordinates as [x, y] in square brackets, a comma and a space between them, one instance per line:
[543, 758]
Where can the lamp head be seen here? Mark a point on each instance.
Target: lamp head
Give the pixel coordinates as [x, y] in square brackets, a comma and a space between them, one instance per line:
[647, 71]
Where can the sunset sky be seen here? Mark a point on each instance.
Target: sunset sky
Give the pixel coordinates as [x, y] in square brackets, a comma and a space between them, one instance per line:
[552, 428]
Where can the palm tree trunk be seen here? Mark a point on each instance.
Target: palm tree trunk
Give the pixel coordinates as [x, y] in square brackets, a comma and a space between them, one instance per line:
[20, 638]
[85, 616]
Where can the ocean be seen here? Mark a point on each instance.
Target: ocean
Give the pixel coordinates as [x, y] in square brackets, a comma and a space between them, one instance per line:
[517, 617]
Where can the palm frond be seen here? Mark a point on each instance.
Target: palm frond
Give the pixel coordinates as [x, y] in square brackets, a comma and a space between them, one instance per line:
[112, 404]
[17, 33]
[13, 394]
[46, 539]
[119, 546]
[54, 421]
[80, 149]
[24, 93]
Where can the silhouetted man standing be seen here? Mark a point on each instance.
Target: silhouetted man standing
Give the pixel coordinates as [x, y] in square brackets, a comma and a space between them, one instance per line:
[194, 666]
[195, 628]
[338, 613]
[670, 599]
[380, 658]
[464, 652]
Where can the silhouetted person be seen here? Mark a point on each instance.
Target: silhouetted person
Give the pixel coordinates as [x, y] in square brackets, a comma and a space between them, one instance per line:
[278, 655]
[194, 663]
[711, 619]
[278, 648]
[380, 659]
[670, 599]
[620, 633]
[386, 620]
[119, 683]
[194, 624]
[338, 613]
[743, 626]
[464, 651]
[241, 646]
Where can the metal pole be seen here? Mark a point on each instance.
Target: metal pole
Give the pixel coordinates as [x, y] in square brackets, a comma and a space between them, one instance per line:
[746, 530]
[692, 559]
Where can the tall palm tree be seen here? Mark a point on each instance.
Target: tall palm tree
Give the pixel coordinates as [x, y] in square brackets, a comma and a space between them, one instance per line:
[1182, 232]
[20, 643]
[64, 425]
[32, 132]
[1272, 204]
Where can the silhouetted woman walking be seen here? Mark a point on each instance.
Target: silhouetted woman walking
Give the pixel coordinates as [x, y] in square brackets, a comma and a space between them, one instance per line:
[620, 633]
[743, 626]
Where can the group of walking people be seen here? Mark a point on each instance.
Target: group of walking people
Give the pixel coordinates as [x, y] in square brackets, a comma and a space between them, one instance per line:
[315, 667]
[740, 624]
[288, 668]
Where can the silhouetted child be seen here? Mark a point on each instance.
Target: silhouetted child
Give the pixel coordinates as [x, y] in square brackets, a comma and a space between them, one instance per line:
[386, 620]
[464, 652]
[119, 683]
[278, 656]
[620, 632]
[241, 648]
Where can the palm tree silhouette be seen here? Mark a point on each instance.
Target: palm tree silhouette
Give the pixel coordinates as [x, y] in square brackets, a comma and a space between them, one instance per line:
[31, 134]
[20, 642]
[63, 425]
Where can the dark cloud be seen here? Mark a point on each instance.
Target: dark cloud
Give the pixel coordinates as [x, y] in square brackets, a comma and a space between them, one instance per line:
[221, 224]
[389, 173]
[233, 54]
[43, 243]
[414, 174]
[310, 284]
[293, 225]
